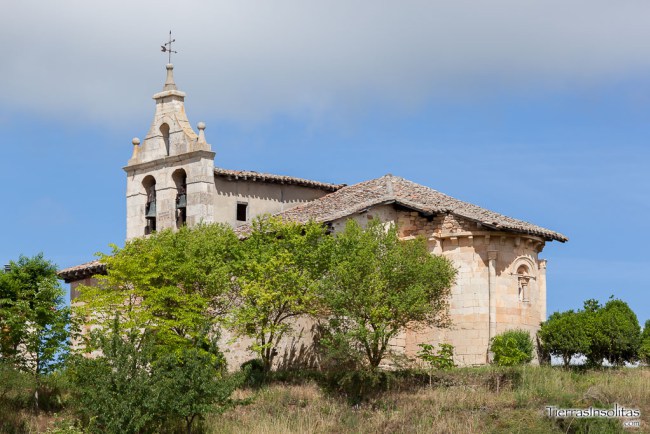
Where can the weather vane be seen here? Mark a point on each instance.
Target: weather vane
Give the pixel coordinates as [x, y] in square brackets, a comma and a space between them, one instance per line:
[167, 47]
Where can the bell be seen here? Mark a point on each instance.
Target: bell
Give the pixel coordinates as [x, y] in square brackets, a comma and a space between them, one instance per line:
[151, 210]
[181, 201]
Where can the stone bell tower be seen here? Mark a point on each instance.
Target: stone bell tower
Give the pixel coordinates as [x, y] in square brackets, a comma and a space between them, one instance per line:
[170, 176]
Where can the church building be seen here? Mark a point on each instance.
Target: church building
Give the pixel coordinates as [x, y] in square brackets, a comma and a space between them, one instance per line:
[172, 180]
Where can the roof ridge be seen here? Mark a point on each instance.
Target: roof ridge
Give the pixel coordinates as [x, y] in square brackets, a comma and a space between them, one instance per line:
[270, 177]
[348, 199]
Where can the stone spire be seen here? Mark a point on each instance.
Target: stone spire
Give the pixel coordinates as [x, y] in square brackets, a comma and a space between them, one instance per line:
[171, 133]
[169, 83]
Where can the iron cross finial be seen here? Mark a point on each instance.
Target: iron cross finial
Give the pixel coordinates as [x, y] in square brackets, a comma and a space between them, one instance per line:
[167, 47]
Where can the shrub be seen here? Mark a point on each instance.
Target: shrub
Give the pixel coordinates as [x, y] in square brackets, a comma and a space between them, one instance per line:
[565, 335]
[129, 389]
[513, 347]
[359, 385]
[441, 359]
[614, 332]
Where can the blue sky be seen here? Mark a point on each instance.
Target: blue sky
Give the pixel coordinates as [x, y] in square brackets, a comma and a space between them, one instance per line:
[537, 110]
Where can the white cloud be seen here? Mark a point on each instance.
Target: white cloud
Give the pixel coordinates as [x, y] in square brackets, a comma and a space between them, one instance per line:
[248, 60]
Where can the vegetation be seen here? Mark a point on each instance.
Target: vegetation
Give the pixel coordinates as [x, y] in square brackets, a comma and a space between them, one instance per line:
[33, 319]
[277, 280]
[512, 347]
[441, 359]
[564, 335]
[175, 285]
[376, 285]
[610, 332]
[128, 389]
[469, 400]
[644, 348]
[614, 332]
[156, 364]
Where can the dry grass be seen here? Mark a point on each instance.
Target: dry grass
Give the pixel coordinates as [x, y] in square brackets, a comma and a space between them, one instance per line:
[469, 404]
[470, 400]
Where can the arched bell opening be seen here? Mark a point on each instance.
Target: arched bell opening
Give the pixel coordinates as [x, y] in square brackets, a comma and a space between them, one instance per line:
[180, 180]
[149, 185]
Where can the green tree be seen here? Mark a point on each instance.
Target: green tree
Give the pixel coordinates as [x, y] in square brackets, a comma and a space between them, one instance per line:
[282, 264]
[644, 349]
[33, 317]
[192, 385]
[174, 284]
[614, 332]
[565, 335]
[377, 286]
[113, 389]
[129, 387]
[512, 347]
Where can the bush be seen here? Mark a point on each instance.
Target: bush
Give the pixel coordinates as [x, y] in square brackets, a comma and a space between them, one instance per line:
[513, 347]
[359, 385]
[129, 389]
[441, 359]
[614, 332]
[565, 335]
[254, 372]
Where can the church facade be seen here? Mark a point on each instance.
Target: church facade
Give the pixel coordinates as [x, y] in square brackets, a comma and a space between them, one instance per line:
[501, 282]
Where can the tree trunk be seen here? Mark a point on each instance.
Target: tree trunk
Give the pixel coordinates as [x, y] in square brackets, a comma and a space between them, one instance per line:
[188, 424]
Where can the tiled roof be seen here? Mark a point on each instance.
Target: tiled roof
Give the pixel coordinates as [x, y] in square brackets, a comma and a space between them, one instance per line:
[82, 271]
[393, 189]
[249, 175]
[348, 200]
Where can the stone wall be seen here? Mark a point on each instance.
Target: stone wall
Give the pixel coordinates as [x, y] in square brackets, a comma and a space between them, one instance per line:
[260, 198]
[471, 246]
[199, 170]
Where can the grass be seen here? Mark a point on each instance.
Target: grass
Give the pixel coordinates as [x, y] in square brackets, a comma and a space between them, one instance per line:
[467, 400]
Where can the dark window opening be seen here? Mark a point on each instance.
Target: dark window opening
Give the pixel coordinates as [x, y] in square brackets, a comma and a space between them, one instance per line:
[164, 130]
[242, 211]
[149, 184]
[180, 179]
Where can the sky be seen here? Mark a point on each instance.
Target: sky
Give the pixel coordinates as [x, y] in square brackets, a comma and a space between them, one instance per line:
[539, 110]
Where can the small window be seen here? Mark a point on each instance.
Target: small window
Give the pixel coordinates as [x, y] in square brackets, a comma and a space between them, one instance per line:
[242, 212]
[523, 275]
[164, 131]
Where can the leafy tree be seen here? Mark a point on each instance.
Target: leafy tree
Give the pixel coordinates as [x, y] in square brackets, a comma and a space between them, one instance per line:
[614, 332]
[377, 286]
[565, 335]
[644, 349]
[173, 284]
[33, 317]
[194, 384]
[113, 389]
[512, 347]
[131, 388]
[278, 277]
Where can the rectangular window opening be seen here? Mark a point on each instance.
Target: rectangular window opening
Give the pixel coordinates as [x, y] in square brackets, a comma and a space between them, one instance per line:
[242, 212]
